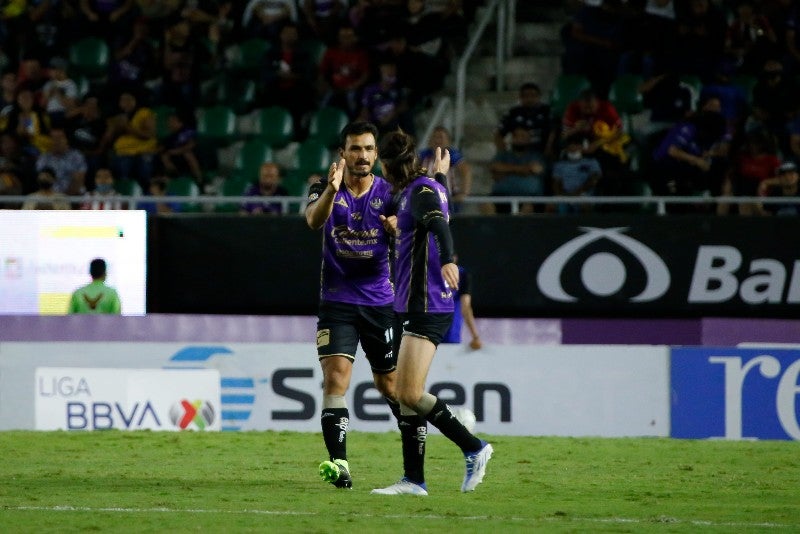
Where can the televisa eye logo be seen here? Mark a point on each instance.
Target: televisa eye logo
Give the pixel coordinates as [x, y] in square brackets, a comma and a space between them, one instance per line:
[603, 273]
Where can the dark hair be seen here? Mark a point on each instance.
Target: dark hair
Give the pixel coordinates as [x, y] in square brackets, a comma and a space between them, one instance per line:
[530, 85]
[48, 170]
[356, 128]
[97, 268]
[398, 153]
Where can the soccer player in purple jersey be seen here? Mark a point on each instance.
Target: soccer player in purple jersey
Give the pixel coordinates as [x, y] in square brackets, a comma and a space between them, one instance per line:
[425, 276]
[356, 296]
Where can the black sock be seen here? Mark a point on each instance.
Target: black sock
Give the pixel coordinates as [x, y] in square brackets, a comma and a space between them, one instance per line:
[334, 431]
[442, 418]
[413, 432]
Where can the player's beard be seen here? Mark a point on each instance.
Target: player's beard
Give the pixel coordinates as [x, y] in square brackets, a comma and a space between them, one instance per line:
[354, 171]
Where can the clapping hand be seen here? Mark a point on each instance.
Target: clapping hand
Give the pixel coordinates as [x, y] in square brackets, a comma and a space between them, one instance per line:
[335, 174]
[441, 162]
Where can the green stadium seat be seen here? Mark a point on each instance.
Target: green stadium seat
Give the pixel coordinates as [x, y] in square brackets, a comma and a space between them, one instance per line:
[232, 187]
[315, 49]
[247, 58]
[313, 157]
[326, 124]
[568, 87]
[625, 95]
[236, 93]
[184, 186]
[89, 57]
[216, 125]
[251, 155]
[128, 188]
[274, 126]
[162, 114]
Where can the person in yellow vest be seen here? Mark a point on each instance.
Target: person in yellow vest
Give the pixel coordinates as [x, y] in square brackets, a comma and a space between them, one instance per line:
[96, 297]
[132, 136]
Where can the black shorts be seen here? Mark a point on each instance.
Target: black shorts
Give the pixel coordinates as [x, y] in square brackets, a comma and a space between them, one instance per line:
[430, 326]
[341, 326]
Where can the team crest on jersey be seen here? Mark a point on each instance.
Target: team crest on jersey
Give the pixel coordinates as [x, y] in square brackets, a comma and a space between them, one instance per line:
[376, 203]
[313, 196]
[426, 190]
[340, 202]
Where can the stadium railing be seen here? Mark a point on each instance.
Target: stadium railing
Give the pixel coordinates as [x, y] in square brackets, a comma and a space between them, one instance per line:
[654, 204]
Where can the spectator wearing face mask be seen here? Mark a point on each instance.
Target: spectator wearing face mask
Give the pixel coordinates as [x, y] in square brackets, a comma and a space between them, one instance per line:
[575, 175]
[46, 197]
[104, 196]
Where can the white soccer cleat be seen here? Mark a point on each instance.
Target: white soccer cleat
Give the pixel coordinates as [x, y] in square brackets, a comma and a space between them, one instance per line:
[476, 466]
[402, 487]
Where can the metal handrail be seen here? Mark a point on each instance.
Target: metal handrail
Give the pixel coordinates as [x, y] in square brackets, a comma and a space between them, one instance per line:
[461, 72]
[438, 117]
[660, 202]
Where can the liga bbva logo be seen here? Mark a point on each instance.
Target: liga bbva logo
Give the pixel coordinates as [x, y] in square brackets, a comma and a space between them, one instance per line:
[603, 273]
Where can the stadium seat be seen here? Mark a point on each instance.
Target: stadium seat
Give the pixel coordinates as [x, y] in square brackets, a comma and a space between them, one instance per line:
[326, 124]
[625, 95]
[274, 126]
[313, 157]
[184, 186]
[232, 187]
[128, 188]
[162, 114]
[216, 125]
[315, 48]
[567, 89]
[247, 58]
[236, 93]
[251, 155]
[89, 57]
[694, 85]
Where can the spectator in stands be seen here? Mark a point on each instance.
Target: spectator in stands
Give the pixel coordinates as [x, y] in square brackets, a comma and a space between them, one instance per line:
[29, 123]
[459, 176]
[597, 120]
[67, 163]
[158, 204]
[785, 184]
[683, 160]
[534, 115]
[132, 135]
[86, 128]
[269, 185]
[755, 161]
[385, 102]
[135, 59]
[178, 149]
[265, 18]
[323, 18]
[104, 196]
[16, 161]
[774, 99]
[518, 172]
[106, 18]
[424, 30]
[290, 76]
[701, 37]
[50, 27]
[733, 99]
[750, 38]
[575, 175]
[593, 42]
[418, 72]
[60, 94]
[32, 76]
[46, 197]
[344, 71]
[652, 33]
[8, 91]
[667, 99]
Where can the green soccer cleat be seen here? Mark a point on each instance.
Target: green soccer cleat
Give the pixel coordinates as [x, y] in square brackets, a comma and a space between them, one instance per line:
[337, 472]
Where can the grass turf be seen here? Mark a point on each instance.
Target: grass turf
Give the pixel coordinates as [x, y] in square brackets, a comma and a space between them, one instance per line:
[256, 481]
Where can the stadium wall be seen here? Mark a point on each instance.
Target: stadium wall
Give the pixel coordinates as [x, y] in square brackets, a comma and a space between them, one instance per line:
[601, 265]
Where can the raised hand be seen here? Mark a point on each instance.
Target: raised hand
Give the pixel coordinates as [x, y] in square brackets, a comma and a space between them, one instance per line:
[441, 162]
[335, 174]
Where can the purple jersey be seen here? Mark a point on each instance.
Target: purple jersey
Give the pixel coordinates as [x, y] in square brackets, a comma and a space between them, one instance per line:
[355, 247]
[419, 284]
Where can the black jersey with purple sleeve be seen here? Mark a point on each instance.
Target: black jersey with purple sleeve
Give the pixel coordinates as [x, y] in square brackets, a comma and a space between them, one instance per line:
[423, 245]
[355, 246]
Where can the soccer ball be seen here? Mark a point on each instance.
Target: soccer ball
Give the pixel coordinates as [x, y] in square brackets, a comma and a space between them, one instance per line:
[465, 416]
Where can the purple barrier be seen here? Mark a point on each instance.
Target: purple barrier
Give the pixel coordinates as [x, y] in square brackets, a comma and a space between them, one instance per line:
[631, 331]
[277, 329]
[731, 332]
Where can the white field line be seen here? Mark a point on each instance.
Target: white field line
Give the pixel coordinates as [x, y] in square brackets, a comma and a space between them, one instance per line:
[493, 518]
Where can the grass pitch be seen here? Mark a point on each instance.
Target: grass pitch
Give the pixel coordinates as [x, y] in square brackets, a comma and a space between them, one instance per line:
[267, 481]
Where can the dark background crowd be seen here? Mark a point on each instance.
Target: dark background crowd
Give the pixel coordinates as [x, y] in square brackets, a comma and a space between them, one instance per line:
[667, 97]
